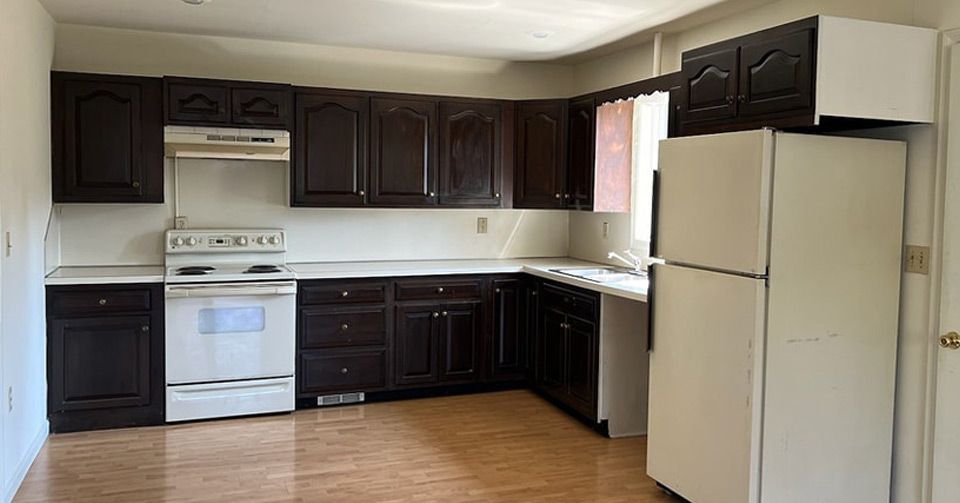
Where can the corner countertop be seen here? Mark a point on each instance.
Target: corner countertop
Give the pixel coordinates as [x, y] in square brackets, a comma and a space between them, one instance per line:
[540, 267]
[101, 275]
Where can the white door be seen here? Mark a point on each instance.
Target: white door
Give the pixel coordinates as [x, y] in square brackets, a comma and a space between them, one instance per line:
[714, 200]
[704, 412]
[946, 447]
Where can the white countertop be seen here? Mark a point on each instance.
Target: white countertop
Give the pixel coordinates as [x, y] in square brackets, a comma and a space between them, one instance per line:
[105, 275]
[540, 267]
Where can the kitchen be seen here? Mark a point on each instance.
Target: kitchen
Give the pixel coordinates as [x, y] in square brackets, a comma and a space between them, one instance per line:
[411, 256]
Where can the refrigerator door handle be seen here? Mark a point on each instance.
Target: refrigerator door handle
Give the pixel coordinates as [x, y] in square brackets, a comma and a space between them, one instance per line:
[651, 298]
[654, 213]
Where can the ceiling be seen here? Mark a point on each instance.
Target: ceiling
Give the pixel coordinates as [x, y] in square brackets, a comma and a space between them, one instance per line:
[517, 30]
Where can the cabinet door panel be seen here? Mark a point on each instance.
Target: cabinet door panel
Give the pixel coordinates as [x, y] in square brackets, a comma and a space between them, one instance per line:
[403, 152]
[552, 351]
[261, 105]
[460, 341]
[197, 102]
[582, 149]
[99, 362]
[330, 164]
[541, 155]
[416, 344]
[581, 365]
[469, 154]
[776, 75]
[107, 139]
[510, 329]
[709, 84]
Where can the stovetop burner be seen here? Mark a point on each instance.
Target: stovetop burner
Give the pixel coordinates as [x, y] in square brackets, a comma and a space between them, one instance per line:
[195, 270]
[262, 269]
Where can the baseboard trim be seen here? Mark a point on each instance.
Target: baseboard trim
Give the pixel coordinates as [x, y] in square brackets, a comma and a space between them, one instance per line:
[24, 465]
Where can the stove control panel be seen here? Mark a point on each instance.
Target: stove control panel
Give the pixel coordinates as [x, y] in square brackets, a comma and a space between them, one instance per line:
[225, 241]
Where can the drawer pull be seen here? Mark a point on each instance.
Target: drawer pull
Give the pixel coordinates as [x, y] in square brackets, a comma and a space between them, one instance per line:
[345, 326]
[145, 328]
[443, 313]
[497, 290]
[344, 293]
[103, 302]
[440, 289]
[436, 314]
[344, 370]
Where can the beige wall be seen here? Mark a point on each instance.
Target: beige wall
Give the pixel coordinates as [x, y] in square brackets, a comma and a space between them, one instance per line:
[26, 50]
[109, 50]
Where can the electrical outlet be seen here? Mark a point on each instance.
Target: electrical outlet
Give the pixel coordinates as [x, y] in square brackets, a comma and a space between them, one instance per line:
[481, 225]
[606, 229]
[10, 399]
[180, 222]
[917, 259]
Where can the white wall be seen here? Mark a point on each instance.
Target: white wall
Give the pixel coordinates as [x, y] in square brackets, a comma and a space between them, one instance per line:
[26, 51]
[253, 193]
[108, 50]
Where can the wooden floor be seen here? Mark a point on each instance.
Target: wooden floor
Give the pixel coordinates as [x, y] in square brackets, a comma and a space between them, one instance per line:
[503, 447]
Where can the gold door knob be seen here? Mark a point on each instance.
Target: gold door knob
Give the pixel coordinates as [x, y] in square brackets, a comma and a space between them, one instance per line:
[950, 341]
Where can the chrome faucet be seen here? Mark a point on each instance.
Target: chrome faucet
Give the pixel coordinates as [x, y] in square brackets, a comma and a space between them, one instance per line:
[635, 262]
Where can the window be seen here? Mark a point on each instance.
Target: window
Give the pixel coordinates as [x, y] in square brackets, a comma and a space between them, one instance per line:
[650, 121]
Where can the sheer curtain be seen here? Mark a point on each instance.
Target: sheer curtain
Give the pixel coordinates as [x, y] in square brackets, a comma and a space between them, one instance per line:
[650, 119]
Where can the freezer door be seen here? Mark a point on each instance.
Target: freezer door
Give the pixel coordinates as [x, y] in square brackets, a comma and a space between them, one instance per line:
[705, 389]
[714, 200]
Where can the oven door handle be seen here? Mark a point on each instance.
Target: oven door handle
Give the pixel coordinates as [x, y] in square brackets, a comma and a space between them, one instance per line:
[231, 290]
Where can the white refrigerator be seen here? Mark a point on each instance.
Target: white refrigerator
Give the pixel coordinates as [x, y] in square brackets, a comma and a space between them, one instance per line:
[775, 317]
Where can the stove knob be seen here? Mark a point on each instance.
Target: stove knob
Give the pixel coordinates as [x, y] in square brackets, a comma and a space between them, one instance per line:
[191, 241]
[262, 240]
[242, 241]
[177, 241]
[274, 240]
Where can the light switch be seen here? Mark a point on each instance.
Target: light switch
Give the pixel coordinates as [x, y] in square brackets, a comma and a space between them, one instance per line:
[481, 225]
[606, 229]
[917, 259]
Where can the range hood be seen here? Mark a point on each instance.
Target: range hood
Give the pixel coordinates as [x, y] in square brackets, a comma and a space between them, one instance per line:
[226, 143]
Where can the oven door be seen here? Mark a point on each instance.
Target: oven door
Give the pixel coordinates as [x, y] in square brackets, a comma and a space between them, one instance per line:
[230, 331]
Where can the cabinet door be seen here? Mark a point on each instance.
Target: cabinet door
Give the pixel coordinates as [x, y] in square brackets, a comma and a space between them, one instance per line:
[197, 102]
[509, 329]
[460, 341]
[260, 105]
[581, 151]
[709, 84]
[582, 365]
[403, 152]
[417, 327]
[552, 351]
[541, 155]
[470, 154]
[330, 156]
[776, 75]
[107, 139]
[99, 363]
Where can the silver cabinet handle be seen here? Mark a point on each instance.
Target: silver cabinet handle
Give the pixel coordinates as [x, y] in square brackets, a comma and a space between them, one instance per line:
[433, 194]
[440, 289]
[557, 195]
[443, 314]
[145, 328]
[436, 314]
[135, 185]
[497, 195]
[344, 370]
[345, 326]
[496, 290]
[344, 293]
[361, 193]
[102, 302]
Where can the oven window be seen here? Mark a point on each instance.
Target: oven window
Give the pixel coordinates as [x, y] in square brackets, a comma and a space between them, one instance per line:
[227, 320]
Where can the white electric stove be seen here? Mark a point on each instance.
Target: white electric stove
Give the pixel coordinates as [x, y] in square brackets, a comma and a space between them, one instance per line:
[230, 323]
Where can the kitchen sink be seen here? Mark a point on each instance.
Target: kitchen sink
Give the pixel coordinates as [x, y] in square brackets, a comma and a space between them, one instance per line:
[607, 275]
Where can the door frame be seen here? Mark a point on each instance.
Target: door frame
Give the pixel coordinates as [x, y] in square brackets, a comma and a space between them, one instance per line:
[950, 42]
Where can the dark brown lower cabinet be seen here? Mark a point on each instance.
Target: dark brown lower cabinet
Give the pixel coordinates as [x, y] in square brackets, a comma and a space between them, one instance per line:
[330, 371]
[104, 357]
[460, 341]
[510, 329]
[568, 348]
[417, 331]
[437, 343]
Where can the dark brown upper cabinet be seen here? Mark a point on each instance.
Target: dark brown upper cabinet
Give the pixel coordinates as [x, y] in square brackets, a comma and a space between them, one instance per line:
[329, 165]
[206, 102]
[710, 85]
[470, 154]
[541, 154]
[107, 139]
[403, 152]
[776, 75]
[581, 144]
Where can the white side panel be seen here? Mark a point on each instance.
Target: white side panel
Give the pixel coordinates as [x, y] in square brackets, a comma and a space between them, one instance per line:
[704, 432]
[876, 70]
[228, 399]
[624, 368]
[833, 317]
[714, 200]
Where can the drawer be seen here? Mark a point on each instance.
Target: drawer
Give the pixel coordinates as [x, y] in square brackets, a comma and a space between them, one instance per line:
[439, 289]
[582, 305]
[342, 370]
[81, 301]
[324, 327]
[340, 292]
